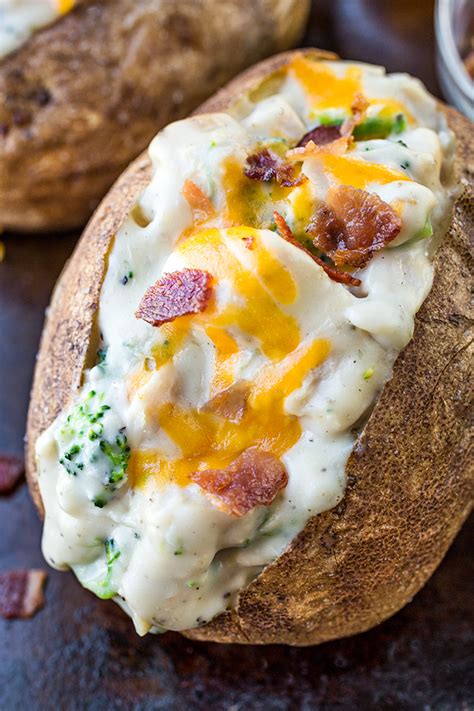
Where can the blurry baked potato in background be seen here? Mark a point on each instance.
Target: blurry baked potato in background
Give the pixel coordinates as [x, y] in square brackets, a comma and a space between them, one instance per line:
[85, 95]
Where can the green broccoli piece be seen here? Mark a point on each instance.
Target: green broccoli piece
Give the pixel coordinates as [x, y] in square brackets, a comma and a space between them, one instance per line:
[372, 127]
[378, 127]
[88, 445]
[100, 582]
[111, 555]
[426, 231]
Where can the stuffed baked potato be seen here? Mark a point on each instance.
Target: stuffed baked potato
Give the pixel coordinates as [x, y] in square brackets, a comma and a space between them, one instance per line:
[223, 435]
[85, 85]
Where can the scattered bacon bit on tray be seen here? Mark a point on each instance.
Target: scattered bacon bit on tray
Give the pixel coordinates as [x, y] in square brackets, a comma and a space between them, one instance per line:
[321, 136]
[266, 165]
[11, 471]
[352, 224]
[175, 294]
[202, 207]
[334, 274]
[253, 479]
[21, 593]
[359, 109]
[231, 402]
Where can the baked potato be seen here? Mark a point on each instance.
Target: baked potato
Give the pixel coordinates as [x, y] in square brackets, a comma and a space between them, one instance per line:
[240, 428]
[85, 85]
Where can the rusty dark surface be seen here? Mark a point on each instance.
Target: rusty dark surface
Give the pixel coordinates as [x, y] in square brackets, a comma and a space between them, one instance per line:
[82, 653]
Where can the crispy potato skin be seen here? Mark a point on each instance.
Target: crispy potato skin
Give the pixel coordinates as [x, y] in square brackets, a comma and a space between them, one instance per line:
[83, 97]
[410, 476]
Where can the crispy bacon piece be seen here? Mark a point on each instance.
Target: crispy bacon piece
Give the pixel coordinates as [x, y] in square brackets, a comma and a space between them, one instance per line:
[334, 274]
[11, 471]
[353, 224]
[249, 242]
[284, 230]
[266, 165]
[310, 149]
[21, 592]
[359, 109]
[253, 479]
[231, 402]
[202, 207]
[175, 294]
[321, 136]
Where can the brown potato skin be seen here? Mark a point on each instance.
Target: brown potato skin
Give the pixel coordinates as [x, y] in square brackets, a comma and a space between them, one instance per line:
[410, 477]
[83, 97]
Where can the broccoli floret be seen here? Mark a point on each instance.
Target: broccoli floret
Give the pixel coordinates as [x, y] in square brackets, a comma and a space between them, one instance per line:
[91, 443]
[118, 454]
[97, 577]
[325, 120]
[111, 555]
[379, 127]
[372, 127]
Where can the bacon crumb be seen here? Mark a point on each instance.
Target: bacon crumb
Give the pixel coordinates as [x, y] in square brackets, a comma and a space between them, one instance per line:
[310, 149]
[352, 224]
[359, 109]
[175, 294]
[11, 471]
[249, 242]
[284, 230]
[321, 136]
[266, 165]
[21, 593]
[202, 207]
[231, 402]
[334, 274]
[253, 479]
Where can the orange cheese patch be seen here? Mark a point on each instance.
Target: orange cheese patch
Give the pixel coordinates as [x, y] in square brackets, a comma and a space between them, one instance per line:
[259, 315]
[358, 173]
[205, 439]
[65, 6]
[326, 90]
[323, 88]
[252, 203]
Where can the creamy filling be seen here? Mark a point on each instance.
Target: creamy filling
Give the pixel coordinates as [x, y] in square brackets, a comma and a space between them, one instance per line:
[114, 469]
[20, 18]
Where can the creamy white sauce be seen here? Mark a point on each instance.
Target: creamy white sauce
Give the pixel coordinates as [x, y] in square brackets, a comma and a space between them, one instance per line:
[165, 552]
[20, 18]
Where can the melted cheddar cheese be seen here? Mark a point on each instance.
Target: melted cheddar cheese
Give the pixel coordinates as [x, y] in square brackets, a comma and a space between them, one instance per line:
[325, 89]
[207, 441]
